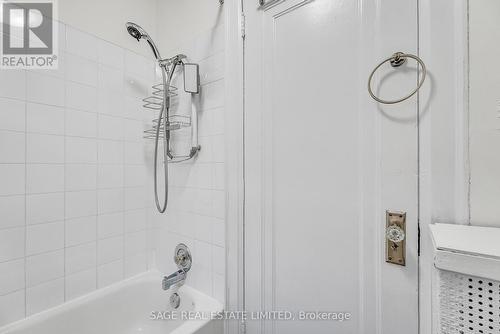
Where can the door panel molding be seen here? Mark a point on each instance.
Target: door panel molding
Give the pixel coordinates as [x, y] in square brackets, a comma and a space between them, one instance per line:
[384, 176]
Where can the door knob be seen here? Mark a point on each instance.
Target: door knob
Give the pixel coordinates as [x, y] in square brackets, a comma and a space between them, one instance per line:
[395, 237]
[395, 233]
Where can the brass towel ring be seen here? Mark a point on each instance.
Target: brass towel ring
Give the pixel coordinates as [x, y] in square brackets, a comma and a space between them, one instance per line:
[397, 60]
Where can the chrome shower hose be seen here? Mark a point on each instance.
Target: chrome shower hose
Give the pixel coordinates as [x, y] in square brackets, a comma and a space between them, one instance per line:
[163, 116]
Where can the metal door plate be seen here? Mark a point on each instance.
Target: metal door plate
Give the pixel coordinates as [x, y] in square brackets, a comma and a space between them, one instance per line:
[395, 237]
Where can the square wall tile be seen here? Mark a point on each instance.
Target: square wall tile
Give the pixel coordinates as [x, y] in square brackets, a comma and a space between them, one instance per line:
[80, 230]
[81, 70]
[134, 153]
[110, 54]
[212, 69]
[12, 278]
[219, 176]
[139, 65]
[45, 148]
[203, 252]
[204, 228]
[219, 288]
[135, 264]
[212, 95]
[81, 177]
[13, 84]
[219, 260]
[12, 307]
[81, 97]
[219, 232]
[109, 273]
[81, 283]
[110, 127]
[45, 119]
[201, 279]
[136, 86]
[81, 150]
[81, 123]
[81, 43]
[12, 147]
[135, 220]
[46, 89]
[110, 200]
[12, 211]
[81, 257]
[44, 267]
[218, 121]
[12, 244]
[110, 176]
[218, 149]
[81, 204]
[110, 152]
[44, 178]
[12, 115]
[110, 225]
[133, 130]
[44, 296]
[43, 208]
[135, 198]
[135, 176]
[109, 250]
[110, 103]
[135, 243]
[133, 107]
[44, 237]
[110, 79]
[12, 179]
[219, 203]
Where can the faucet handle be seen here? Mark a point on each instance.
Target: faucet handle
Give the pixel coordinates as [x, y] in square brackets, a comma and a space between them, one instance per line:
[182, 257]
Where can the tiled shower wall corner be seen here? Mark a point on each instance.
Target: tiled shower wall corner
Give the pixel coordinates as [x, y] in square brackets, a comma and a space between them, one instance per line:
[73, 212]
[196, 211]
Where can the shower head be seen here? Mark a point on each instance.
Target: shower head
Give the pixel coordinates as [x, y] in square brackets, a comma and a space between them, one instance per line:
[134, 30]
[137, 32]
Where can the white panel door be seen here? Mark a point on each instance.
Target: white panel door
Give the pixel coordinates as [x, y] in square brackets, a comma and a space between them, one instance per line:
[323, 162]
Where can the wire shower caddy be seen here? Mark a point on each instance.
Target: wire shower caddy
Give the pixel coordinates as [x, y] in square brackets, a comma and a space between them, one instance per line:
[175, 122]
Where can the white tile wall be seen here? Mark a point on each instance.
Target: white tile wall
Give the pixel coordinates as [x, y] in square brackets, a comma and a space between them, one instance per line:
[72, 175]
[196, 209]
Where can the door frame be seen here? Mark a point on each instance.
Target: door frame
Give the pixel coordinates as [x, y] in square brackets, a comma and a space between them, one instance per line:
[234, 161]
[447, 113]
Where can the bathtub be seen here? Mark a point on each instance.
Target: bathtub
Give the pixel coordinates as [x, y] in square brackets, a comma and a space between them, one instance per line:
[137, 305]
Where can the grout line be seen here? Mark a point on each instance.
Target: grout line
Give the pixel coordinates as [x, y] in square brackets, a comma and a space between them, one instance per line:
[64, 172]
[123, 220]
[97, 203]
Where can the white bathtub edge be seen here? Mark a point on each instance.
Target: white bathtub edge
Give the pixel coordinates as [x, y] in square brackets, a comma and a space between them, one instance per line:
[188, 327]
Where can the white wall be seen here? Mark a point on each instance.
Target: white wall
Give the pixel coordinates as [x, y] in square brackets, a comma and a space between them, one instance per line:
[72, 175]
[178, 21]
[484, 23]
[196, 210]
[106, 19]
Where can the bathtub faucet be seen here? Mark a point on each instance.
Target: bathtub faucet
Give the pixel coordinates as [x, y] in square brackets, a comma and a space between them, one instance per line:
[183, 260]
[170, 280]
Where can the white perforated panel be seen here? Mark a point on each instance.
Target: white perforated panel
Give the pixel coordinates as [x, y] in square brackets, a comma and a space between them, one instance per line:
[468, 304]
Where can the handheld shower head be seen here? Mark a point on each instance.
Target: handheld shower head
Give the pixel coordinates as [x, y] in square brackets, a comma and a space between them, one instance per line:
[137, 32]
[134, 32]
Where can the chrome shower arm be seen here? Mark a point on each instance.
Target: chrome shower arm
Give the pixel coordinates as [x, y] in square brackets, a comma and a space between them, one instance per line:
[167, 62]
